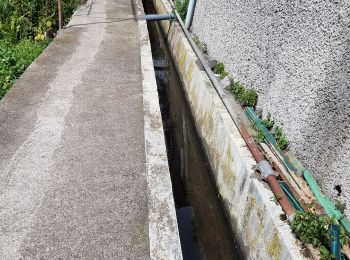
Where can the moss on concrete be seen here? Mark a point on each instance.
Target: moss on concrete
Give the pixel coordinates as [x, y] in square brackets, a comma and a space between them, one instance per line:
[260, 214]
[248, 209]
[229, 175]
[274, 247]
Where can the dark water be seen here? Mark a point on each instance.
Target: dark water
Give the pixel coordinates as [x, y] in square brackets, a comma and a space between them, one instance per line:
[204, 232]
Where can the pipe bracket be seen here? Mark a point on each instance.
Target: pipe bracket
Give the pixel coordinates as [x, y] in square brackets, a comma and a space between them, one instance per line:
[265, 169]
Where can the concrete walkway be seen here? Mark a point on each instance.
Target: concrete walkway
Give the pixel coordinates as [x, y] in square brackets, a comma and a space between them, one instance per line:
[76, 178]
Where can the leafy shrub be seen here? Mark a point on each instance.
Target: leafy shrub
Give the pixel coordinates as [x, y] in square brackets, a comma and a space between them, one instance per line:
[247, 98]
[220, 69]
[259, 136]
[314, 229]
[24, 19]
[281, 139]
[14, 59]
[311, 228]
[21, 22]
[181, 7]
[268, 122]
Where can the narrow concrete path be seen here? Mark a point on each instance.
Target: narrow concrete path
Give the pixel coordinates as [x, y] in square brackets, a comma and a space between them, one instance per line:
[73, 172]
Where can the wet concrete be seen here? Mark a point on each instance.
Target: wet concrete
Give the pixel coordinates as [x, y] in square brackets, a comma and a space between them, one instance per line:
[74, 183]
[204, 231]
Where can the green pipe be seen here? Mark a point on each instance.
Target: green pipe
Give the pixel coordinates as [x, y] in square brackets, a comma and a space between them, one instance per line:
[324, 201]
[290, 196]
[256, 120]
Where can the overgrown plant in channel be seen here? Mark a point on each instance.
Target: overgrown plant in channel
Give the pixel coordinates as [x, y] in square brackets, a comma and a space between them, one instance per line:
[247, 97]
[281, 139]
[181, 7]
[315, 229]
[268, 122]
[23, 25]
[259, 136]
[220, 69]
[202, 46]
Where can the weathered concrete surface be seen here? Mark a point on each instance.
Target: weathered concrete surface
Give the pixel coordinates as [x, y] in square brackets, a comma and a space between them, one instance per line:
[73, 173]
[254, 215]
[296, 55]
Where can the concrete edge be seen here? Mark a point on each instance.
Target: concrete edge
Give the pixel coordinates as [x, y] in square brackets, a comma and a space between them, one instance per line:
[163, 229]
[249, 203]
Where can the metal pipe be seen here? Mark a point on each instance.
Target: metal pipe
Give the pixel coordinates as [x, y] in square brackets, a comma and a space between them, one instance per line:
[60, 21]
[159, 17]
[272, 181]
[268, 173]
[190, 13]
[209, 72]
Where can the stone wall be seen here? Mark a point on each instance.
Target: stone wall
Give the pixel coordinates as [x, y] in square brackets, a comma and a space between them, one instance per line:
[251, 211]
[296, 55]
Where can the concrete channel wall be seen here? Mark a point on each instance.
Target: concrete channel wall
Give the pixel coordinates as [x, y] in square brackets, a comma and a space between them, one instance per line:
[252, 211]
[296, 55]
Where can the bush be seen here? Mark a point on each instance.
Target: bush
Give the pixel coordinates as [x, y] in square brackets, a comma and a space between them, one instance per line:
[25, 19]
[281, 139]
[268, 122]
[181, 7]
[314, 229]
[21, 22]
[14, 59]
[220, 69]
[247, 98]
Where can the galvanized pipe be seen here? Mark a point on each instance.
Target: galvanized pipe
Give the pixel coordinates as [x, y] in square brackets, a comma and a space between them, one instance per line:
[190, 13]
[159, 17]
[59, 8]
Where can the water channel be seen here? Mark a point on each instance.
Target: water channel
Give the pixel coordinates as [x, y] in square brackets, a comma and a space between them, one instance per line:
[204, 231]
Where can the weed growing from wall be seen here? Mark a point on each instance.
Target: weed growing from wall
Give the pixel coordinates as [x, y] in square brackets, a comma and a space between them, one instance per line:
[247, 98]
[340, 205]
[259, 136]
[314, 229]
[181, 7]
[220, 69]
[268, 122]
[202, 46]
[281, 139]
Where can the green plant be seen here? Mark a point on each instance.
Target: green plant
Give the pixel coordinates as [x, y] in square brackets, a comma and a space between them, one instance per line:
[268, 122]
[21, 22]
[325, 254]
[237, 90]
[247, 98]
[340, 205]
[202, 46]
[14, 59]
[220, 69]
[311, 228]
[314, 229]
[250, 98]
[343, 236]
[259, 136]
[181, 7]
[281, 139]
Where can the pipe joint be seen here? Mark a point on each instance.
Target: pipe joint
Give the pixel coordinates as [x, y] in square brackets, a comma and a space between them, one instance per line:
[264, 168]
